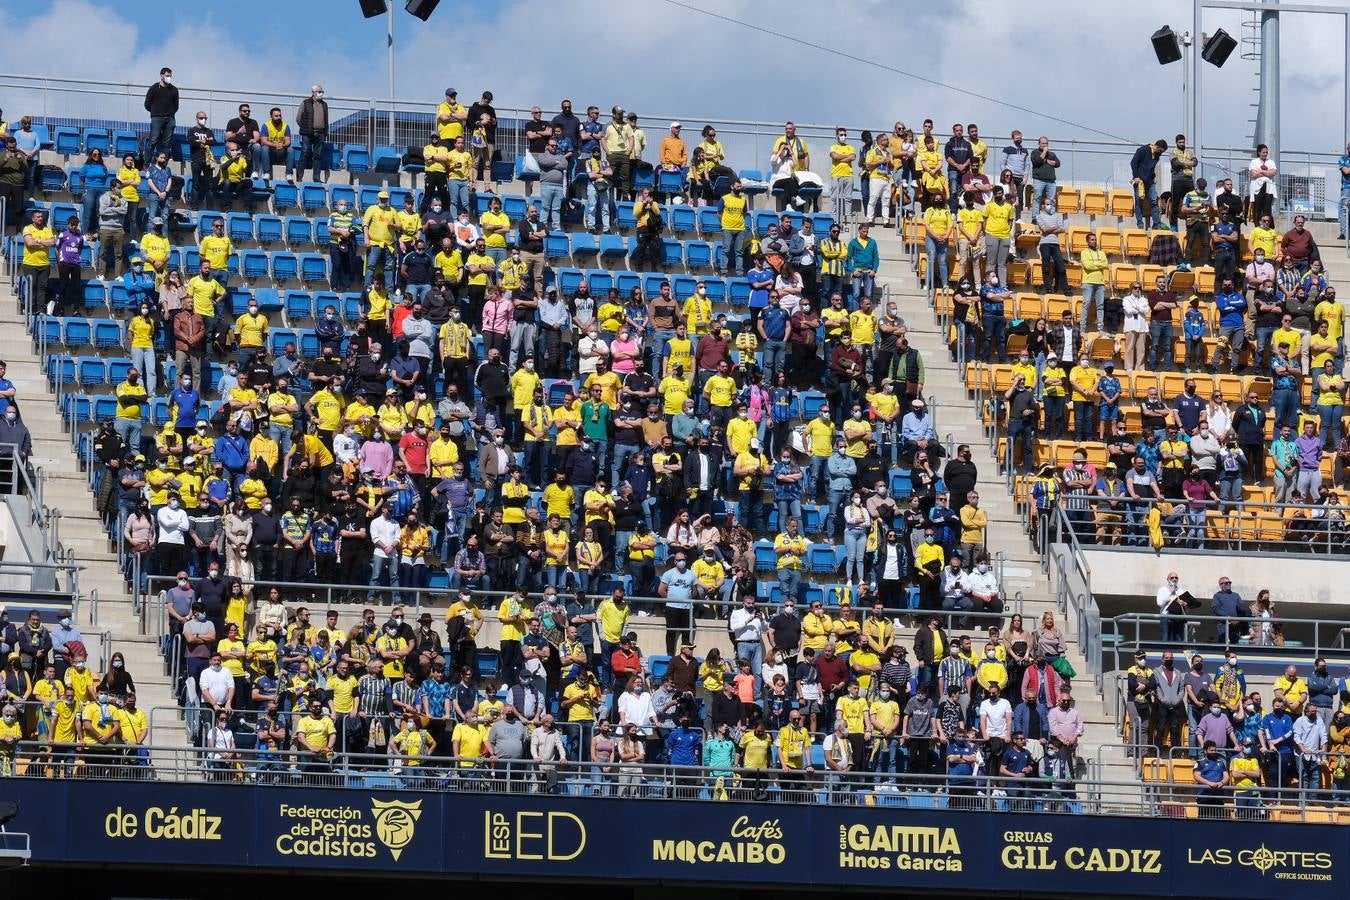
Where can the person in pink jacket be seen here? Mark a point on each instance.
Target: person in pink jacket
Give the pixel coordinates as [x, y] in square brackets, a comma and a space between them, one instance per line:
[498, 313]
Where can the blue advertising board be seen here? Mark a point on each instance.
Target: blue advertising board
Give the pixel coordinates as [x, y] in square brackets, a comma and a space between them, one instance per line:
[524, 837]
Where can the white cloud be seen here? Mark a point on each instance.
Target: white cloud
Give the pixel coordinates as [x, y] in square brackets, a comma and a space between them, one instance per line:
[647, 55]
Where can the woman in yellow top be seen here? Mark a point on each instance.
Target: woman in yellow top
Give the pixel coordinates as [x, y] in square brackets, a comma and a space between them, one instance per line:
[712, 675]
[236, 605]
[262, 652]
[232, 652]
[378, 307]
[590, 557]
[1330, 402]
[712, 151]
[412, 743]
[391, 416]
[130, 177]
[610, 315]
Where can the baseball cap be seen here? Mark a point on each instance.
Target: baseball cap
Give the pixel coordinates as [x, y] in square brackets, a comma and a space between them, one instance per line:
[451, 92]
[157, 221]
[382, 195]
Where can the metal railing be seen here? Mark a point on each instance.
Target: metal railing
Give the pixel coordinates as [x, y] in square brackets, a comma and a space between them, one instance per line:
[1252, 634]
[404, 123]
[1320, 529]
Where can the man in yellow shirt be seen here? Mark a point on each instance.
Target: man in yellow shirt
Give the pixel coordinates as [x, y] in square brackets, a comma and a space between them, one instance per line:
[435, 155]
[38, 239]
[732, 211]
[131, 396]
[495, 227]
[698, 311]
[720, 391]
[862, 324]
[740, 430]
[250, 332]
[215, 249]
[835, 318]
[380, 221]
[1094, 265]
[450, 117]
[842, 158]
[999, 216]
[817, 627]
[820, 438]
[796, 147]
[458, 162]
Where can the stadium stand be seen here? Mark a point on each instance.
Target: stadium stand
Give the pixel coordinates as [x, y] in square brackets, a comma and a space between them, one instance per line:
[655, 422]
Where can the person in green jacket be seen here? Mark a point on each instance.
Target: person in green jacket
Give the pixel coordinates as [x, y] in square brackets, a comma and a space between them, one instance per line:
[863, 261]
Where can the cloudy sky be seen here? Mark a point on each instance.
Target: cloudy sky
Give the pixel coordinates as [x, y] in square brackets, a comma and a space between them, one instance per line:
[1097, 73]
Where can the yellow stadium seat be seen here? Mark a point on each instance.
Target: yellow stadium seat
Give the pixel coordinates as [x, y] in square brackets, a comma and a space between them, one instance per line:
[1149, 275]
[1016, 343]
[1074, 273]
[1029, 305]
[1068, 201]
[1110, 242]
[1017, 272]
[1056, 305]
[1204, 279]
[1269, 526]
[1094, 201]
[1136, 243]
[1261, 385]
[1183, 770]
[1133, 416]
[1041, 454]
[1002, 376]
[1034, 276]
[1204, 385]
[1028, 236]
[1217, 525]
[1151, 770]
[1172, 384]
[1077, 236]
[1096, 453]
[1183, 282]
[1231, 387]
[923, 268]
[1123, 275]
[942, 302]
[1122, 203]
[1022, 488]
[1140, 381]
[1103, 349]
[973, 373]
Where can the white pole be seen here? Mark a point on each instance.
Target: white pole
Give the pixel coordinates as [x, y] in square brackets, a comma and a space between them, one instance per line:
[1197, 42]
[389, 17]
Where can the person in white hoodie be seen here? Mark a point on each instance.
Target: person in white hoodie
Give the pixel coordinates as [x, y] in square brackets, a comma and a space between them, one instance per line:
[1136, 310]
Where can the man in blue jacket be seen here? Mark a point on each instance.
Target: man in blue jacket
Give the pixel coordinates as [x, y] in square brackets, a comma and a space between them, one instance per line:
[1143, 172]
[1232, 307]
[231, 451]
[684, 746]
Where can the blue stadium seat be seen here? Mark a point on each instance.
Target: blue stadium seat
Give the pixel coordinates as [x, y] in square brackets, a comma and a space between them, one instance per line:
[811, 402]
[92, 372]
[651, 283]
[61, 369]
[321, 233]
[326, 298]
[369, 195]
[285, 195]
[626, 282]
[313, 195]
[239, 299]
[105, 407]
[600, 281]
[97, 139]
[659, 666]
[94, 292]
[809, 193]
[49, 330]
[613, 248]
[356, 158]
[682, 218]
[268, 229]
[338, 192]
[268, 300]
[75, 181]
[482, 200]
[67, 140]
[285, 267]
[299, 305]
[192, 259]
[159, 410]
[717, 289]
[569, 279]
[239, 226]
[709, 220]
[205, 221]
[397, 195]
[556, 390]
[766, 560]
[309, 343]
[386, 159]
[738, 291]
[53, 179]
[514, 206]
[77, 333]
[107, 333]
[76, 409]
[584, 244]
[278, 338]
[698, 255]
[61, 213]
[796, 217]
[299, 231]
[557, 245]
[644, 176]
[682, 287]
[901, 484]
[351, 307]
[821, 222]
[255, 263]
[763, 219]
[672, 252]
[124, 142]
[313, 268]
[118, 298]
[669, 182]
[624, 218]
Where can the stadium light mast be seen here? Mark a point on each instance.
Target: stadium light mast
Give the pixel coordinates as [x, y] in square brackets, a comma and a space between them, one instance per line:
[422, 9]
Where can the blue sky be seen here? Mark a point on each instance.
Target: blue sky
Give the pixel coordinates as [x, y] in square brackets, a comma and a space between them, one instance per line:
[1100, 73]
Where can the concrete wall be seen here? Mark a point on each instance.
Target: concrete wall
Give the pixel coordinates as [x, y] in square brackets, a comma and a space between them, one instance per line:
[1303, 581]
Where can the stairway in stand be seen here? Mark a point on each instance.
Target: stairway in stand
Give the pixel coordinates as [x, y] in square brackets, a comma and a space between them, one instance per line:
[67, 489]
[957, 416]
